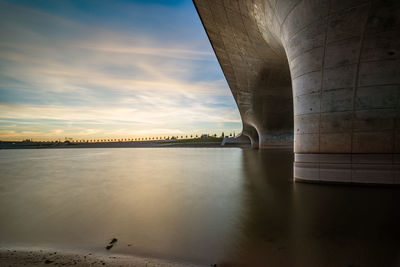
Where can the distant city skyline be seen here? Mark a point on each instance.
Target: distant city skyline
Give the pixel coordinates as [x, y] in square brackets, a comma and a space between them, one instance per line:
[109, 69]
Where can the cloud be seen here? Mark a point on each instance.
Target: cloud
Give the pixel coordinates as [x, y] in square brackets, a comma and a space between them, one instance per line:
[156, 131]
[55, 70]
[21, 134]
[152, 51]
[109, 114]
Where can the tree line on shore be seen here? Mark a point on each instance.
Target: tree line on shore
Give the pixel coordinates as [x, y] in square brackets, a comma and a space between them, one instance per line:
[154, 138]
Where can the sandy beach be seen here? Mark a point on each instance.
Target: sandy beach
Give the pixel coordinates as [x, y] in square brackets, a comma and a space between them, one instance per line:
[35, 257]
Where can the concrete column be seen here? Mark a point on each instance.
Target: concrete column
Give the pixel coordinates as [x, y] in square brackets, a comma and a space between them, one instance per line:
[323, 72]
[252, 133]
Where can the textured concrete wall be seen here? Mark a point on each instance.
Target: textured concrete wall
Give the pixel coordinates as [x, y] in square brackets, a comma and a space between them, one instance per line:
[324, 73]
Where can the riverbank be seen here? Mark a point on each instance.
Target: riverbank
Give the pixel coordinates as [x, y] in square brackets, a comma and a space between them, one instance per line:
[212, 142]
[35, 257]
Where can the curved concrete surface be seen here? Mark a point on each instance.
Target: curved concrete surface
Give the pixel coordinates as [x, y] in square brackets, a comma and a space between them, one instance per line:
[322, 73]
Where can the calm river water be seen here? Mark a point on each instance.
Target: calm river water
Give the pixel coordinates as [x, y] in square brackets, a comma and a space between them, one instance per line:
[229, 206]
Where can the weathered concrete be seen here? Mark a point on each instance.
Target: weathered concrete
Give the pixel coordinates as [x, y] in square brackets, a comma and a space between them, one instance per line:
[322, 73]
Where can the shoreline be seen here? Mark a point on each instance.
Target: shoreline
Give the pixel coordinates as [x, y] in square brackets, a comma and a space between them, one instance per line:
[173, 145]
[123, 145]
[47, 257]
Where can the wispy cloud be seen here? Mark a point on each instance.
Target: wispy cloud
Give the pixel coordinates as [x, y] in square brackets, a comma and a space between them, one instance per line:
[109, 114]
[57, 69]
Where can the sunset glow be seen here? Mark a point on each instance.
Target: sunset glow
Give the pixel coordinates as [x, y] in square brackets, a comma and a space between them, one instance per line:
[109, 69]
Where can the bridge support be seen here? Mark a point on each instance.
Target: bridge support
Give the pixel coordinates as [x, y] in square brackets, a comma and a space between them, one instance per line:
[321, 74]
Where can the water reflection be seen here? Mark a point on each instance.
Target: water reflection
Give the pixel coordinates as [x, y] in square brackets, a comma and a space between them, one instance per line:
[289, 224]
[168, 203]
[228, 206]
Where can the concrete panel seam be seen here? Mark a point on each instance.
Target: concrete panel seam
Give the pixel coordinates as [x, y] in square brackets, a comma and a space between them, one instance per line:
[287, 15]
[325, 17]
[322, 79]
[380, 60]
[305, 73]
[305, 51]
[355, 82]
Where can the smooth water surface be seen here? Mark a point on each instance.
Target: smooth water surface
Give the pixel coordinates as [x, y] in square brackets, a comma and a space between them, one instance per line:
[228, 206]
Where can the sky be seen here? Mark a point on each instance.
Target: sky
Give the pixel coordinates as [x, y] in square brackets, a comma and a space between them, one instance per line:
[109, 69]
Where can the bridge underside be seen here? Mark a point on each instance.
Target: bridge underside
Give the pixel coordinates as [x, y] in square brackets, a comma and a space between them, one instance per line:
[320, 75]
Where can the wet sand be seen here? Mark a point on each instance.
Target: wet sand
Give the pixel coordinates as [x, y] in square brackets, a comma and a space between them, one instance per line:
[25, 257]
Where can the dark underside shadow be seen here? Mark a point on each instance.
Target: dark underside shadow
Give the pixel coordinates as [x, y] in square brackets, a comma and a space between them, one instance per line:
[292, 224]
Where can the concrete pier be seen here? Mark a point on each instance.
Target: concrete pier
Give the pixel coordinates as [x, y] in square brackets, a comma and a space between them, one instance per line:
[322, 76]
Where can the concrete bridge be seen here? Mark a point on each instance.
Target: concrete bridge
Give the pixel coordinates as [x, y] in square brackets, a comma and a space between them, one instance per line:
[320, 75]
